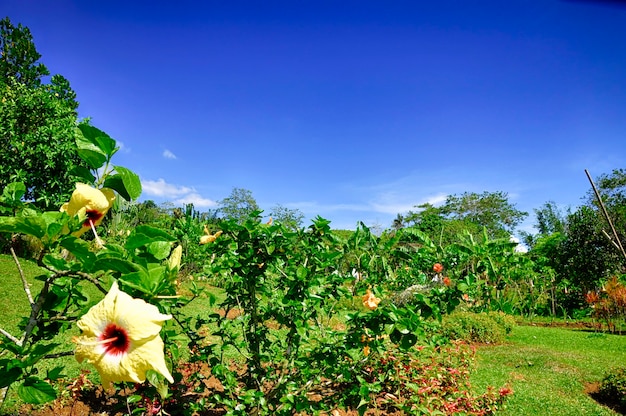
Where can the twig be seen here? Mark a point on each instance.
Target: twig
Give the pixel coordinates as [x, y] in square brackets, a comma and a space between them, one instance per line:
[610, 239]
[24, 282]
[59, 354]
[11, 337]
[606, 214]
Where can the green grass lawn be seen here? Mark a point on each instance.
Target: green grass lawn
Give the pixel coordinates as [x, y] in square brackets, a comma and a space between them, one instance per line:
[549, 369]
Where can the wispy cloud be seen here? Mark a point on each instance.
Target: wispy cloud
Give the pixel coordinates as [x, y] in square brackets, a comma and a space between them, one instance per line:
[177, 194]
[400, 205]
[122, 146]
[163, 189]
[168, 154]
[197, 200]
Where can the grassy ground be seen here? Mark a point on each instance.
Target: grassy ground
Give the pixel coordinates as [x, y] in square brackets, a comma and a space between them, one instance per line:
[550, 369]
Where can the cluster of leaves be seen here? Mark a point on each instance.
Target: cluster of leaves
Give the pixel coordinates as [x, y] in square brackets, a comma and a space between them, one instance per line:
[486, 328]
[428, 381]
[70, 263]
[37, 122]
[609, 304]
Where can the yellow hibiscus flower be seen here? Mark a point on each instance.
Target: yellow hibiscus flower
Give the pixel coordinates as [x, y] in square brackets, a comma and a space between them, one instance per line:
[120, 337]
[370, 301]
[91, 203]
[208, 237]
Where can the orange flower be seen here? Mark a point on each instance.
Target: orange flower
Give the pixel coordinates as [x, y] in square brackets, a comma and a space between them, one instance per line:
[437, 268]
[370, 301]
[592, 297]
[366, 350]
[466, 297]
[447, 281]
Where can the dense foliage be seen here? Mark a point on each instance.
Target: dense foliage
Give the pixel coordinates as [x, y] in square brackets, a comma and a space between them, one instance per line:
[37, 122]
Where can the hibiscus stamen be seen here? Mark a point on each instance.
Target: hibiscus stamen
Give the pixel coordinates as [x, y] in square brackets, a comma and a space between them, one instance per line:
[93, 228]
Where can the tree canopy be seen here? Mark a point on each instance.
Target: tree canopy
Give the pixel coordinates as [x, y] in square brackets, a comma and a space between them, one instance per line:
[37, 122]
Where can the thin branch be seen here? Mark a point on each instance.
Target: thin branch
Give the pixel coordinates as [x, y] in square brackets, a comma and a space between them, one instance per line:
[11, 337]
[59, 354]
[606, 214]
[610, 239]
[23, 277]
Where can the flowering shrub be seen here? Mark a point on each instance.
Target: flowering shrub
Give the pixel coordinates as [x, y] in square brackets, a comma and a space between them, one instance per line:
[609, 305]
[278, 352]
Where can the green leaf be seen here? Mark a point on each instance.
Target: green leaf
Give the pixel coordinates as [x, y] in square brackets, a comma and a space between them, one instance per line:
[36, 391]
[84, 174]
[125, 182]
[13, 193]
[30, 225]
[133, 399]
[55, 373]
[89, 151]
[99, 139]
[144, 235]
[115, 264]
[10, 372]
[116, 183]
[131, 181]
[55, 262]
[140, 280]
[80, 249]
[160, 249]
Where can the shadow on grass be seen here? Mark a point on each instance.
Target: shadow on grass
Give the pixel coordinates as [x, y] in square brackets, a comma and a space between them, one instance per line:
[613, 403]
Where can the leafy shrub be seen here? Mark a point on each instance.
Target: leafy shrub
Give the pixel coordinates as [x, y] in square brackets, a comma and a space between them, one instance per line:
[486, 327]
[613, 387]
[431, 381]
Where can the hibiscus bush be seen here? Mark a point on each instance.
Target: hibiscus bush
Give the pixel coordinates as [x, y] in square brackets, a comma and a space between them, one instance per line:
[285, 342]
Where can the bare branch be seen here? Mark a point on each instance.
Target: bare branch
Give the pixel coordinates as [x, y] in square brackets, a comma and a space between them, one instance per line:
[23, 277]
[11, 337]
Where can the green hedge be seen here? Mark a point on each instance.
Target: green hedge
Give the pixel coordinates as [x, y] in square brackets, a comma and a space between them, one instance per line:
[484, 327]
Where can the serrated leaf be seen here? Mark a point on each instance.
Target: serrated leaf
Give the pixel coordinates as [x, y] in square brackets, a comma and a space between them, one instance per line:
[131, 180]
[90, 152]
[36, 391]
[102, 141]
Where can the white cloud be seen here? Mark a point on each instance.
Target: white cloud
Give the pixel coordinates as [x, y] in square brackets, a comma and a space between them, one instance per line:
[391, 204]
[122, 147]
[163, 189]
[176, 194]
[197, 200]
[168, 154]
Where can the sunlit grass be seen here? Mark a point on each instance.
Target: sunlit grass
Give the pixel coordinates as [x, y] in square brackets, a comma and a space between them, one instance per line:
[549, 369]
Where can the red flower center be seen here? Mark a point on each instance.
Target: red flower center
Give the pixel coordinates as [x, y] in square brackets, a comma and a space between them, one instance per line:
[92, 217]
[115, 340]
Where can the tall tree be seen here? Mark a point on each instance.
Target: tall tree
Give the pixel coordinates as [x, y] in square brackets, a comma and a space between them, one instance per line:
[291, 218]
[467, 212]
[239, 205]
[18, 56]
[491, 210]
[37, 122]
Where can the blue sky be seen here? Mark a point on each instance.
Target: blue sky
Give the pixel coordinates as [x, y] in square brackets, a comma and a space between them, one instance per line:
[351, 110]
